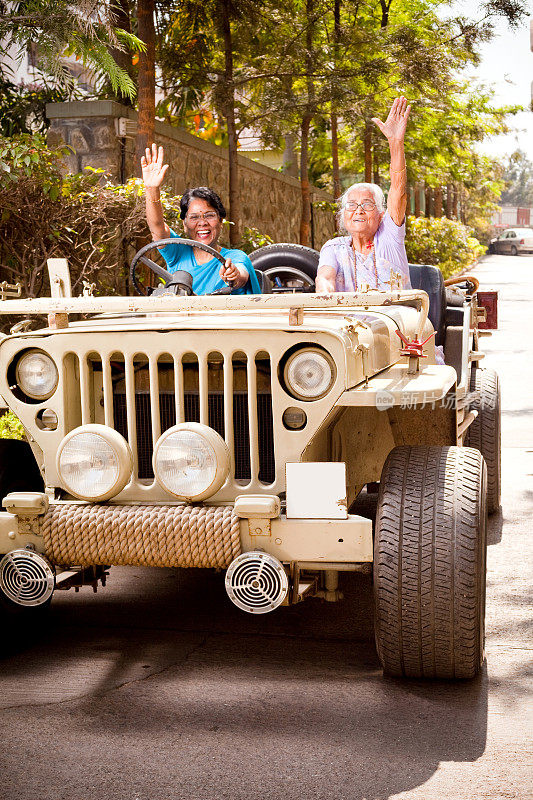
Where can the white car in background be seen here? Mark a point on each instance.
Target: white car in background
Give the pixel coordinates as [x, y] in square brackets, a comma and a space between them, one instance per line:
[513, 241]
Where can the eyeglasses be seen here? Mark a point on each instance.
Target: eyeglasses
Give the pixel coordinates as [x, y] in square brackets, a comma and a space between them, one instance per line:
[209, 216]
[366, 205]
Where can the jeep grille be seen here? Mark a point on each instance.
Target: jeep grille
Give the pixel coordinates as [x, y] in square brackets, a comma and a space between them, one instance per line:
[143, 396]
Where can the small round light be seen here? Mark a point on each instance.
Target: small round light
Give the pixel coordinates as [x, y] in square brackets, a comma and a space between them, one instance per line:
[191, 461]
[294, 418]
[37, 375]
[94, 462]
[309, 374]
[47, 419]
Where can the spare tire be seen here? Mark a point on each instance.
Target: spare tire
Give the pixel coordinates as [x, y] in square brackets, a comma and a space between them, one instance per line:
[297, 256]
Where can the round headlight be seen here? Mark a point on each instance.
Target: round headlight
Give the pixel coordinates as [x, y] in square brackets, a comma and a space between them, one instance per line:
[191, 461]
[309, 374]
[36, 375]
[94, 462]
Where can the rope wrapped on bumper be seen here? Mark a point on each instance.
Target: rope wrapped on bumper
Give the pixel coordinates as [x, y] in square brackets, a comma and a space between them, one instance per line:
[152, 536]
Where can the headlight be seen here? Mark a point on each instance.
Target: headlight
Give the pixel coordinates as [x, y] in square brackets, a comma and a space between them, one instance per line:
[191, 461]
[36, 374]
[94, 462]
[309, 374]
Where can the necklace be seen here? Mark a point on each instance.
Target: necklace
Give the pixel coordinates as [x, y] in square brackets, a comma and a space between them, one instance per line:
[373, 252]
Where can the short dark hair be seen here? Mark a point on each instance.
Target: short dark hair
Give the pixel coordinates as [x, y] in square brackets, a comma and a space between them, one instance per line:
[202, 193]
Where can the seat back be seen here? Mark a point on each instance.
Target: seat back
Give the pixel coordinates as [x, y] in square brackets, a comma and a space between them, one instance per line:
[264, 282]
[429, 278]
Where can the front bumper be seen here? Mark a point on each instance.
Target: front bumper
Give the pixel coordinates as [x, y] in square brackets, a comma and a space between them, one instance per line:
[83, 534]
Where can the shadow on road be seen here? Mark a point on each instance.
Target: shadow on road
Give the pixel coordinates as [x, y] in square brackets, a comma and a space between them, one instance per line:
[495, 527]
[178, 694]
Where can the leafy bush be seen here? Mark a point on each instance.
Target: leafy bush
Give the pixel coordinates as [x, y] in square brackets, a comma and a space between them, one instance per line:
[446, 243]
[93, 223]
[43, 215]
[252, 239]
[11, 427]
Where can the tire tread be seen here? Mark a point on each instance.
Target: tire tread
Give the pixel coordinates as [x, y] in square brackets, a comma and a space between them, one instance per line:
[485, 431]
[429, 563]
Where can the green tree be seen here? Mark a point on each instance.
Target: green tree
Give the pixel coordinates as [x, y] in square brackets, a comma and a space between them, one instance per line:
[481, 190]
[518, 177]
[92, 223]
[419, 52]
[318, 68]
[86, 29]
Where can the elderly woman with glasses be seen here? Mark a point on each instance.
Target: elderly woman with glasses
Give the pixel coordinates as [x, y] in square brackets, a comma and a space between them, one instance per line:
[202, 212]
[373, 253]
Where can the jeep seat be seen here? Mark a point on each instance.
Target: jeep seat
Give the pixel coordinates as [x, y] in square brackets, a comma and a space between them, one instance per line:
[264, 282]
[429, 278]
[454, 306]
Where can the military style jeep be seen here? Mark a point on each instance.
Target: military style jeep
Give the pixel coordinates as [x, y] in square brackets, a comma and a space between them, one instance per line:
[237, 432]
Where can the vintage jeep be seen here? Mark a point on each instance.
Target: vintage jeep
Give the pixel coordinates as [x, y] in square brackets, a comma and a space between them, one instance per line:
[237, 432]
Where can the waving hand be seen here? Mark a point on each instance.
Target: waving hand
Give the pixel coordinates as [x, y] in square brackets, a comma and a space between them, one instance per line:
[395, 124]
[153, 168]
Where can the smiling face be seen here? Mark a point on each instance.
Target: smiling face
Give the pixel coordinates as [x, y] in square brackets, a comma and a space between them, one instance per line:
[361, 223]
[197, 227]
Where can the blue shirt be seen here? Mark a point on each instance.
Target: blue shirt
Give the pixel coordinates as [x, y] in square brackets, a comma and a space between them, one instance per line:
[205, 277]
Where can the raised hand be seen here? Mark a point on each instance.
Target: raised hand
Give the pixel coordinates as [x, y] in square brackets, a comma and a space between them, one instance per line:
[153, 168]
[395, 124]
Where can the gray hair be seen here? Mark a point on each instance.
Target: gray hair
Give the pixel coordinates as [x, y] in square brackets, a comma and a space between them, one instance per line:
[377, 193]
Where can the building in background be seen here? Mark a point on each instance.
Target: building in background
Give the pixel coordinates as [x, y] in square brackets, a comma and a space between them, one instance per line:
[512, 217]
[23, 69]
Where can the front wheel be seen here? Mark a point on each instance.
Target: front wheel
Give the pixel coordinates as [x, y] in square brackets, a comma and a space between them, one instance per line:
[430, 563]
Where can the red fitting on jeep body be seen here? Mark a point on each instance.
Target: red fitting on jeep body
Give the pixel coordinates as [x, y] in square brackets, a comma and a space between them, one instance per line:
[413, 348]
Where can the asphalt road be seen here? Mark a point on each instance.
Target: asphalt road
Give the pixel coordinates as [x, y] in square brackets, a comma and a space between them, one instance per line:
[157, 688]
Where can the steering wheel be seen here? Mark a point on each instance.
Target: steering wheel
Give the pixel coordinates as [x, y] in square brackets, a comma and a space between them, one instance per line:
[164, 274]
[472, 283]
[281, 275]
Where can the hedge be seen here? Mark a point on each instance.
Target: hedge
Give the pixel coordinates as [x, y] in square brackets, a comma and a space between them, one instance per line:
[443, 242]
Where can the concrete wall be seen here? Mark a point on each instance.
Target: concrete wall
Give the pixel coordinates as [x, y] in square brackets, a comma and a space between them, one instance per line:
[270, 201]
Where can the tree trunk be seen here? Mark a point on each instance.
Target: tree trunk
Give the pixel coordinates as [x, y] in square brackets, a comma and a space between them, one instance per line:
[146, 86]
[408, 191]
[449, 200]
[334, 127]
[335, 157]
[234, 196]
[428, 199]
[368, 152]
[417, 199]
[437, 195]
[290, 158]
[305, 224]
[385, 9]
[455, 201]
[375, 161]
[228, 108]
